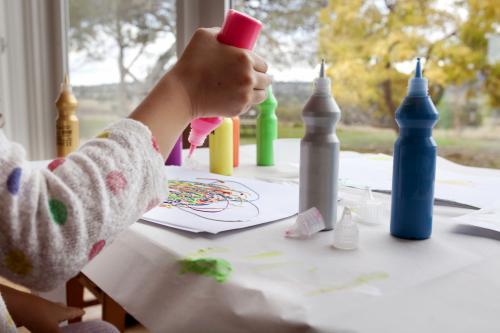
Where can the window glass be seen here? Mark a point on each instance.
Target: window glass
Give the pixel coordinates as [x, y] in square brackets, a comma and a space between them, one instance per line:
[370, 48]
[118, 50]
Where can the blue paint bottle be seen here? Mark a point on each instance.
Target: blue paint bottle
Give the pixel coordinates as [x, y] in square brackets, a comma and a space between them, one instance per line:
[414, 165]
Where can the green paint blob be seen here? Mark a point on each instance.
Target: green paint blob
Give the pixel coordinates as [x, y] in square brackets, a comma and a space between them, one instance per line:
[58, 211]
[218, 269]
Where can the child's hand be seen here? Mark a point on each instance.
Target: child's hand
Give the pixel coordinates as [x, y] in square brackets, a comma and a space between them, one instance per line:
[36, 313]
[220, 80]
[210, 79]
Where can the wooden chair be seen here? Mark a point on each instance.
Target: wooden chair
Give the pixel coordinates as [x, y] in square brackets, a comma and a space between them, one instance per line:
[112, 312]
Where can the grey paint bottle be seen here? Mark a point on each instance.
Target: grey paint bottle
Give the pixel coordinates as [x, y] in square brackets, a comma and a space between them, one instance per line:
[319, 152]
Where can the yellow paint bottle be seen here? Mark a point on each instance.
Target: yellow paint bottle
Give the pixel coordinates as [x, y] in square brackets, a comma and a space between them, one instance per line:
[67, 124]
[221, 149]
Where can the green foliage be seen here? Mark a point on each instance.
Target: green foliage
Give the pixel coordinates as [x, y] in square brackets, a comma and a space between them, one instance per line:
[289, 29]
[366, 42]
[129, 23]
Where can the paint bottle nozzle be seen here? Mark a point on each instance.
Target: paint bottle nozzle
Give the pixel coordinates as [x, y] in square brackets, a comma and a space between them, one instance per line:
[322, 68]
[418, 70]
[417, 85]
[191, 150]
[322, 84]
[346, 233]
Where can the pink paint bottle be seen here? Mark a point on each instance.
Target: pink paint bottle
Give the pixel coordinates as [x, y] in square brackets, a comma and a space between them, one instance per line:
[239, 30]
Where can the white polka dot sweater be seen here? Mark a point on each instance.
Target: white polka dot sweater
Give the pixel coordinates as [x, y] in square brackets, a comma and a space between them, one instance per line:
[53, 221]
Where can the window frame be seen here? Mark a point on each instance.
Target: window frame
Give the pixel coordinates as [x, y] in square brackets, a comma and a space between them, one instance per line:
[3, 62]
[36, 59]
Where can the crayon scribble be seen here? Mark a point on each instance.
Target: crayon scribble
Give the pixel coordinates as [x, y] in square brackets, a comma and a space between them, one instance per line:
[210, 198]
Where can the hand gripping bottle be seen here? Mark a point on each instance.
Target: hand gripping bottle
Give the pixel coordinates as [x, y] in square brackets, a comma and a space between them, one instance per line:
[414, 163]
[319, 153]
[239, 30]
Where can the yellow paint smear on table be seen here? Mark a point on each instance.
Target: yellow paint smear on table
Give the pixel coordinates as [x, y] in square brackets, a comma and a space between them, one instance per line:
[265, 255]
[357, 282]
[312, 269]
[208, 250]
[273, 265]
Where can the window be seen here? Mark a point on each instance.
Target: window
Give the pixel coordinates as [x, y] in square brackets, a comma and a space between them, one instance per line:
[118, 49]
[370, 47]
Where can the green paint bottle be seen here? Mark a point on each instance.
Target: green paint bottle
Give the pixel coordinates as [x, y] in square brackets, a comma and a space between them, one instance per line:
[267, 129]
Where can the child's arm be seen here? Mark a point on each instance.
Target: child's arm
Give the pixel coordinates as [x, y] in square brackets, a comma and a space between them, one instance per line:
[53, 221]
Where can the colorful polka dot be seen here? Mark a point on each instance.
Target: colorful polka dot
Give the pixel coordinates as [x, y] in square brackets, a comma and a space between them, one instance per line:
[55, 163]
[14, 181]
[58, 211]
[18, 263]
[96, 249]
[103, 135]
[155, 144]
[116, 182]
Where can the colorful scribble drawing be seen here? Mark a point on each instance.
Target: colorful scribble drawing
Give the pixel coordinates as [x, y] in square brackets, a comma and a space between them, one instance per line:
[213, 199]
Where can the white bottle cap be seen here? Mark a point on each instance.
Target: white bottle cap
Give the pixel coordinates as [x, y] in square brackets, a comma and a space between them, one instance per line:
[370, 210]
[308, 223]
[346, 233]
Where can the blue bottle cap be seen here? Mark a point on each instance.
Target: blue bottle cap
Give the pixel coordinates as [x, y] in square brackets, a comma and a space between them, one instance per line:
[417, 86]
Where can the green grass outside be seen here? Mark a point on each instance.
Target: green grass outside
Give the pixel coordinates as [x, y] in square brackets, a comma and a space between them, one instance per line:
[482, 150]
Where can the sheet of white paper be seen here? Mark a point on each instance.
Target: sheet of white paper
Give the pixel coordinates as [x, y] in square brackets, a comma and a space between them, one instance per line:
[288, 285]
[487, 218]
[200, 201]
[457, 183]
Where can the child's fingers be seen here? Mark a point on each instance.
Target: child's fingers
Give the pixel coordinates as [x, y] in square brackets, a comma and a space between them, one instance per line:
[262, 81]
[258, 63]
[68, 313]
[258, 96]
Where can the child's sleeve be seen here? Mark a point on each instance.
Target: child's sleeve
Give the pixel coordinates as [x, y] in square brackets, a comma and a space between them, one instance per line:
[52, 221]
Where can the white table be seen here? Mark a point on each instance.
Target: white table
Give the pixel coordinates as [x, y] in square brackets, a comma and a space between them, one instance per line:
[449, 283]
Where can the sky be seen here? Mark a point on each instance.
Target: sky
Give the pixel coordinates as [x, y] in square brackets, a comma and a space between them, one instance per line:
[84, 71]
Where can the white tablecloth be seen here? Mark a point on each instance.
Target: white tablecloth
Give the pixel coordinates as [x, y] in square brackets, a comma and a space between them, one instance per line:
[449, 283]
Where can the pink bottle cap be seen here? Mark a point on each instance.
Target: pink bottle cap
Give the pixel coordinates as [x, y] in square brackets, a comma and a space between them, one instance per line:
[239, 30]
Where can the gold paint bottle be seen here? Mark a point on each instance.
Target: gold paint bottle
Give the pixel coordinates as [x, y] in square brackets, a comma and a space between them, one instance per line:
[67, 124]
